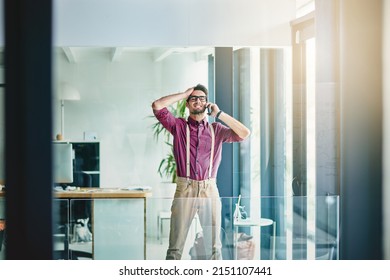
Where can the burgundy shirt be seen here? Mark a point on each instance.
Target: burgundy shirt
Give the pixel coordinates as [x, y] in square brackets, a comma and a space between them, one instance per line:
[200, 141]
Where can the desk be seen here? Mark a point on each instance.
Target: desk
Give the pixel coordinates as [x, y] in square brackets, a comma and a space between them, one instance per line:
[259, 223]
[98, 193]
[118, 220]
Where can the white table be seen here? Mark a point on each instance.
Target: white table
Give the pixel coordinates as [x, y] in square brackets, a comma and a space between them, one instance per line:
[262, 222]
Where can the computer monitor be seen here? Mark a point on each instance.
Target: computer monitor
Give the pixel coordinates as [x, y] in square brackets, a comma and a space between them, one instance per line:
[62, 163]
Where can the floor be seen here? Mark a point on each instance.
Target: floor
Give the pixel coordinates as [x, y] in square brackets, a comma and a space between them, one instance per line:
[157, 251]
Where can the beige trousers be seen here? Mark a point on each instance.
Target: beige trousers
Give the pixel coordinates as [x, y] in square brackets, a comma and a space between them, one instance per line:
[191, 197]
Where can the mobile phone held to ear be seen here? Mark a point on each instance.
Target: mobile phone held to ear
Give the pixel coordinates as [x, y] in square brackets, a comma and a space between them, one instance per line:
[208, 110]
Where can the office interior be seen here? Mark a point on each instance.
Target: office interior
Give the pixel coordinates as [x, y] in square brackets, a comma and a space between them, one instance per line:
[329, 148]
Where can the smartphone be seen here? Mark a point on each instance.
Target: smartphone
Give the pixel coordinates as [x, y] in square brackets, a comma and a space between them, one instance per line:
[208, 110]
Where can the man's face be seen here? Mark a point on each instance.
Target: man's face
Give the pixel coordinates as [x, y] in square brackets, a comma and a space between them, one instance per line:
[196, 102]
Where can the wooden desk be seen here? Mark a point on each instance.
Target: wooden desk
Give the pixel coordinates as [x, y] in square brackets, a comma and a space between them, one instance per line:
[118, 220]
[92, 193]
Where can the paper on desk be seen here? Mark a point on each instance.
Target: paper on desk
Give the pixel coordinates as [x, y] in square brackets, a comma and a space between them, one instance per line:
[137, 188]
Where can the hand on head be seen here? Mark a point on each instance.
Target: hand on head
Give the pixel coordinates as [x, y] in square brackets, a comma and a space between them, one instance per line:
[189, 91]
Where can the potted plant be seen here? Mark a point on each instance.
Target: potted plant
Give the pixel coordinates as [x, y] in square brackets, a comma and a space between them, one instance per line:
[167, 166]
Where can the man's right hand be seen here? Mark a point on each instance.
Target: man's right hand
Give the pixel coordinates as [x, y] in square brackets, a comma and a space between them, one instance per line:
[189, 91]
[171, 99]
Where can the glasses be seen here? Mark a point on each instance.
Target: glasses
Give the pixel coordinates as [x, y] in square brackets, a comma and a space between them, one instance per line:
[193, 98]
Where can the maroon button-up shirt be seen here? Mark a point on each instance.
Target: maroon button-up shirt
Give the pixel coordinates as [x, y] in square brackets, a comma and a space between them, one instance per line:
[200, 142]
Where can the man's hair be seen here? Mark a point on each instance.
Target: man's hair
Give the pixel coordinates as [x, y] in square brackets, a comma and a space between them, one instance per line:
[202, 88]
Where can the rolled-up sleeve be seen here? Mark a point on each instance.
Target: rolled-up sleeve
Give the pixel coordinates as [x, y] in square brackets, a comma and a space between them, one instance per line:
[165, 118]
[227, 134]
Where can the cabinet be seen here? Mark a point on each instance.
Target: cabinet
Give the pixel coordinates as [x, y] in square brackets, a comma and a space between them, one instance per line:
[86, 164]
[86, 174]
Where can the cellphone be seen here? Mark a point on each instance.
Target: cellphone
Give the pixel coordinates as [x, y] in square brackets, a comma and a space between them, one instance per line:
[208, 110]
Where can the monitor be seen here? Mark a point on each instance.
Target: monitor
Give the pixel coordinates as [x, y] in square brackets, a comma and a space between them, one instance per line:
[62, 163]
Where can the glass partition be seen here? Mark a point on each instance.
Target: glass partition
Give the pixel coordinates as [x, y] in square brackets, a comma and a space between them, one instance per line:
[269, 234]
[138, 228]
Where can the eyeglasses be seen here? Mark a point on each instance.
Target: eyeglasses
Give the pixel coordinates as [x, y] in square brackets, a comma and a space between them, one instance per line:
[193, 98]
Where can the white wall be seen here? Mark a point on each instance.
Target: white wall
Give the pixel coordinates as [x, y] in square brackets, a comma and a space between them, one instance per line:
[115, 103]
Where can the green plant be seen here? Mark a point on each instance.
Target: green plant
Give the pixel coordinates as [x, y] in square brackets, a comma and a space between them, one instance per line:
[167, 167]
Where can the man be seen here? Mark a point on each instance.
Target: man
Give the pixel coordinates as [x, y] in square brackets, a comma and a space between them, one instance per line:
[197, 165]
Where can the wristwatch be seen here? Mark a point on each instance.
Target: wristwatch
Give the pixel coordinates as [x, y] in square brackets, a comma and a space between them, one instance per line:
[217, 116]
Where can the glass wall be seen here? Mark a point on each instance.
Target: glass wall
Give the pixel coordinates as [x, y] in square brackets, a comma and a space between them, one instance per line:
[101, 100]
[138, 228]
[109, 84]
[102, 96]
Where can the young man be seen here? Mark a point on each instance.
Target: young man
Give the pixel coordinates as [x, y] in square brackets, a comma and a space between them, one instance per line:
[197, 147]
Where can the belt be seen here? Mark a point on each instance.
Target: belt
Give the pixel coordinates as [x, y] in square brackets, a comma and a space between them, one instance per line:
[191, 181]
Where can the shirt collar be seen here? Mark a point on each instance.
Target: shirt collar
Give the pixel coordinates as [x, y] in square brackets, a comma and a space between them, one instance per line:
[191, 121]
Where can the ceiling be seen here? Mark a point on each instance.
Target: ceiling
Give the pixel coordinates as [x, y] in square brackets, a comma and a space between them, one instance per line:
[74, 54]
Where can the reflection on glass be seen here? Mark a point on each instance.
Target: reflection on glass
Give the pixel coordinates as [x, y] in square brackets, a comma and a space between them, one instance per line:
[250, 238]
[116, 91]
